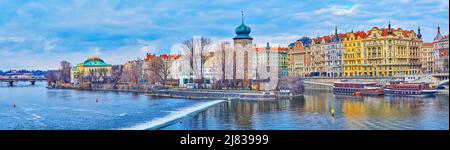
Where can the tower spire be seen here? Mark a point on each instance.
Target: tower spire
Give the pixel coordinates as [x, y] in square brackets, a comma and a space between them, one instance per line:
[336, 36]
[439, 30]
[335, 30]
[242, 14]
[419, 35]
[389, 26]
[438, 35]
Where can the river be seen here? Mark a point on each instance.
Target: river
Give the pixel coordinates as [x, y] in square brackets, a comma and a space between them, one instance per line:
[38, 108]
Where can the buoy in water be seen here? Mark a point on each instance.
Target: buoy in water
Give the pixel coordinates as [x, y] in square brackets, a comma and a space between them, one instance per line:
[96, 100]
[332, 112]
[14, 105]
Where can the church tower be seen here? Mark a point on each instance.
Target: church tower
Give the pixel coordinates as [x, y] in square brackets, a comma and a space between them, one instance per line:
[243, 34]
[241, 55]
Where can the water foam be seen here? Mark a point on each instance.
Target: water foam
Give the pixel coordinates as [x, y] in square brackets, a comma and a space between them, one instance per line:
[122, 114]
[161, 122]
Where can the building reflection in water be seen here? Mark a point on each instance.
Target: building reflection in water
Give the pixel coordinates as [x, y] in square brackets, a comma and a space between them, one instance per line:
[312, 111]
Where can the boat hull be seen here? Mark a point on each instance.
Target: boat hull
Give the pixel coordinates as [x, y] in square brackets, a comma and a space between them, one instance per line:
[419, 93]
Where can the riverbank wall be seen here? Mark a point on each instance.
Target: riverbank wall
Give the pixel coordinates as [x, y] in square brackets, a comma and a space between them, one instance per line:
[213, 95]
[159, 91]
[108, 87]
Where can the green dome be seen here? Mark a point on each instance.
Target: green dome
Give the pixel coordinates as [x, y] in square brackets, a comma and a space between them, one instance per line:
[94, 62]
[243, 31]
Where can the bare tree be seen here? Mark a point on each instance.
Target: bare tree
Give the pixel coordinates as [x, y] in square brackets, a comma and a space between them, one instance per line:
[189, 54]
[220, 63]
[194, 49]
[65, 71]
[53, 77]
[132, 72]
[204, 45]
[95, 76]
[117, 71]
[101, 75]
[158, 70]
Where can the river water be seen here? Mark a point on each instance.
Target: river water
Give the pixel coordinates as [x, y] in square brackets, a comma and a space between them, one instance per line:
[40, 108]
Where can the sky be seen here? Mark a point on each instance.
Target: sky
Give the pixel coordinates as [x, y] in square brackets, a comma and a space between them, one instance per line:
[38, 34]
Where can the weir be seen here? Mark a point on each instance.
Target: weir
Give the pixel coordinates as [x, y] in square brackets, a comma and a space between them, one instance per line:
[172, 117]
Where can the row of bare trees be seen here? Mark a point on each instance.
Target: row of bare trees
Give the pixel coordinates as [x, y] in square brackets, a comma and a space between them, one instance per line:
[133, 72]
[61, 75]
[158, 71]
[153, 71]
[194, 50]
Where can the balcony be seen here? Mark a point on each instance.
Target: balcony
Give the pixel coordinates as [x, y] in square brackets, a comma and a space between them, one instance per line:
[401, 44]
[373, 44]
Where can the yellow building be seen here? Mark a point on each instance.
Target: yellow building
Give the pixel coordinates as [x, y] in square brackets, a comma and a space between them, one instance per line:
[352, 56]
[93, 69]
[427, 58]
[382, 52]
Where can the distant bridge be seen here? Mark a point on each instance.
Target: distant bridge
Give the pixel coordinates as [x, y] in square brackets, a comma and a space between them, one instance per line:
[32, 80]
[440, 80]
[443, 84]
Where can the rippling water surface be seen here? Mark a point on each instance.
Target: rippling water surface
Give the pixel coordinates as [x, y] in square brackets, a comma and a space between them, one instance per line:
[41, 108]
[312, 112]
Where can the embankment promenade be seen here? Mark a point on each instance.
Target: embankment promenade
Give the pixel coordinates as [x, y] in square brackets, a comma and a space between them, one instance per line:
[214, 94]
[108, 87]
[183, 93]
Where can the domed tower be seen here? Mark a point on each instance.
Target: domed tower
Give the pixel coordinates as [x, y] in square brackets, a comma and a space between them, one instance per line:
[241, 55]
[243, 34]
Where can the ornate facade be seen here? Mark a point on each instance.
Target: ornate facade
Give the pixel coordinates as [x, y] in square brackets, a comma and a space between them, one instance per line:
[441, 52]
[300, 58]
[382, 52]
[328, 56]
[427, 58]
[93, 69]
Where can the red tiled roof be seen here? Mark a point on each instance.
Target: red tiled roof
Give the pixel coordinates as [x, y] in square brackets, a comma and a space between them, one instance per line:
[273, 49]
[384, 32]
[361, 34]
[168, 56]
[427, 44]
[258, 49]
[318, 39]
[405, 33]
[327, 38]
[348, 34]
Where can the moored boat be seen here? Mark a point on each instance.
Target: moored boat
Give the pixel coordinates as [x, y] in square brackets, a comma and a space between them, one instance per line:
[357, 88]
[372, 91]
[409, 89]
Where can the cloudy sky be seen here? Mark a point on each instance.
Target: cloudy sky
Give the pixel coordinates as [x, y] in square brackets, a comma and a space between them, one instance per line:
[37, 34]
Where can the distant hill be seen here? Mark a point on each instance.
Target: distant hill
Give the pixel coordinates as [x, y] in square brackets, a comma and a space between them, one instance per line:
[20, 72]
